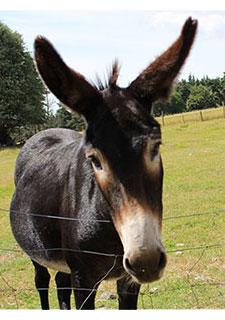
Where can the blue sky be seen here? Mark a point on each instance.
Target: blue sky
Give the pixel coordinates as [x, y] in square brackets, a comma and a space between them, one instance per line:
[89, 40]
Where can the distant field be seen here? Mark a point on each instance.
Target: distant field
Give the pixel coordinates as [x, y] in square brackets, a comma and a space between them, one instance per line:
[194, 182]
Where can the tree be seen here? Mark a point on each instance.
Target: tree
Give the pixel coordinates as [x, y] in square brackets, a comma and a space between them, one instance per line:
[222, 89]
[191, 80]
[21, 90]
[201, 97]
[66, 119]
[183, 87]
[175, 105]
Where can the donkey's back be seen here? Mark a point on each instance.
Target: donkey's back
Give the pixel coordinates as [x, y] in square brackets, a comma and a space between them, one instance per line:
[45, 151]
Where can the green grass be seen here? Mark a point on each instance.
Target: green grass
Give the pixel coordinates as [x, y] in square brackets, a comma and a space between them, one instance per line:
[194, 182]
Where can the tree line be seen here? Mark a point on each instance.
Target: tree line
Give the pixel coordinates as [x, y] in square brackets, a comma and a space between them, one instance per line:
[193, 94]
[26, 106]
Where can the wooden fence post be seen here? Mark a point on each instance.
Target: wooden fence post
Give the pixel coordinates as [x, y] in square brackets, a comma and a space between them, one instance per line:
[201, 116]
[162, 118]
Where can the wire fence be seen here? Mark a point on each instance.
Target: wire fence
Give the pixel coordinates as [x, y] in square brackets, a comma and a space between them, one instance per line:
[108, 221]
[148, 294]
[193, 116]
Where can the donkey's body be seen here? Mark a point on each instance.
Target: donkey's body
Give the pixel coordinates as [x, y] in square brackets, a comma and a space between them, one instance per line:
[57, 155]
[91, 206]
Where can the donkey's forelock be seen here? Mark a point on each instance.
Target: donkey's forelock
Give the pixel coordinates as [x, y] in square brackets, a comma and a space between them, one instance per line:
[110, 80]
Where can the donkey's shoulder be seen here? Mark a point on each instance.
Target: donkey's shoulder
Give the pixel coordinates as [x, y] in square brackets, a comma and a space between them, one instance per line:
[53, 137]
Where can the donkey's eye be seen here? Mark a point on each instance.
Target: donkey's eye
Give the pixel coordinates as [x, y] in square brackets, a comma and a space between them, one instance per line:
[95, 161]
[155, 150]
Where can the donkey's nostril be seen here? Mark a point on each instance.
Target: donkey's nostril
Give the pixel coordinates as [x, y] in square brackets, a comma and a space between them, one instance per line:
[129, 267]
[162, 261]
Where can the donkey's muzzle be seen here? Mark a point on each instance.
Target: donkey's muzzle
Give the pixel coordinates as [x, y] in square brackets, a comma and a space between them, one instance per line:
[145, 267]
[144, 255]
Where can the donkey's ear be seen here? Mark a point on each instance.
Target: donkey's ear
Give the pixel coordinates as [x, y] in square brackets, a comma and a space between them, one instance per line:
[68, 86]
[155, 82]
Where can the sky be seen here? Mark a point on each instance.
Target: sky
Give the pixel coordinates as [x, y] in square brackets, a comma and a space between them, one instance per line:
[90, 38]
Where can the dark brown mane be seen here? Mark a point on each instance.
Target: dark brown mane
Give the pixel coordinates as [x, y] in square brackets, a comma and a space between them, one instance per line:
[111, 80]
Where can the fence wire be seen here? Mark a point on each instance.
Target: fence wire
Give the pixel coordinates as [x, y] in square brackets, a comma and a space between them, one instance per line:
[216, 245]
[215, 212]
[148, 292]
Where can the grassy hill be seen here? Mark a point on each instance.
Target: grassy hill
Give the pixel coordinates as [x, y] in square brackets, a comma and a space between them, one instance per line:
[194, 176]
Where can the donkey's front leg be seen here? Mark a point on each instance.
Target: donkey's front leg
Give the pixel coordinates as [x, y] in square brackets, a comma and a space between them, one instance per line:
[84, 290]
[128, 293]
[63, 282]
[42, 278]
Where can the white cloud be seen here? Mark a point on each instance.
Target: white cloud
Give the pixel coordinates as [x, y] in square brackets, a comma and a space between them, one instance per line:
[164, 20]
[210, 24]
[213, 24]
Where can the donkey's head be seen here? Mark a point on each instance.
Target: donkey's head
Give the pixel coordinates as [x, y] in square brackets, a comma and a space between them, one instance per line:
[122, 142]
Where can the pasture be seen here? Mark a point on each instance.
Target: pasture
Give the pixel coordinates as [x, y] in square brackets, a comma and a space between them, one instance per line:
[194, 175]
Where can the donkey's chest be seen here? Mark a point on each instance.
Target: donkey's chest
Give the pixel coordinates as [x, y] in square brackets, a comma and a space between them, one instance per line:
[58, 265]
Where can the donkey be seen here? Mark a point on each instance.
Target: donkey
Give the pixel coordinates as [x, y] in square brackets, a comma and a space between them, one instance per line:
[90, 206]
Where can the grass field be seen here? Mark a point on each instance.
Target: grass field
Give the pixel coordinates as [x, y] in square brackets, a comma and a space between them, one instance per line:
[194, 166]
